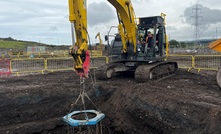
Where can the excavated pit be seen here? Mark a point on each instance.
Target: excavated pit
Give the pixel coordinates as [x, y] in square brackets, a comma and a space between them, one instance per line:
[185, 103]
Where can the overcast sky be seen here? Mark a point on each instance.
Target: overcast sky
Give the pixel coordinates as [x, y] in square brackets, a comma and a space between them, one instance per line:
[47, 21]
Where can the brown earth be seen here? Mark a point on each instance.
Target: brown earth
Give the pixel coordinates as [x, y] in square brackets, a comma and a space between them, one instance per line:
[185, 103]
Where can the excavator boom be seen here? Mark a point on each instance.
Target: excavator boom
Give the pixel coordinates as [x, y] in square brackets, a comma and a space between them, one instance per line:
[99, 37]
[79, 50]
[127, 22]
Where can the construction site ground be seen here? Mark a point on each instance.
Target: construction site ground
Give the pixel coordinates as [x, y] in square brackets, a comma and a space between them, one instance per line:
[187, 103]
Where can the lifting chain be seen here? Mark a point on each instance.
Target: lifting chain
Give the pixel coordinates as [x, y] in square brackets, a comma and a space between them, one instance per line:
[82, 95]
[94, 83]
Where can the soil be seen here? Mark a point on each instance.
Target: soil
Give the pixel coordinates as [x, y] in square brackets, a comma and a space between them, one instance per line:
[182, 104]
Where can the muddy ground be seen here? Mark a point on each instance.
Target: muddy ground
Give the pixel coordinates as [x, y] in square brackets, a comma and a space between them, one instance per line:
[185, 103]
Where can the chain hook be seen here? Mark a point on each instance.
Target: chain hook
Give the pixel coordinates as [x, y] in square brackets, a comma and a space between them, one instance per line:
[82, 84]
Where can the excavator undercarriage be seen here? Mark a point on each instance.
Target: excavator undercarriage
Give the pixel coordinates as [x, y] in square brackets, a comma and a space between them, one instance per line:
[143, 71]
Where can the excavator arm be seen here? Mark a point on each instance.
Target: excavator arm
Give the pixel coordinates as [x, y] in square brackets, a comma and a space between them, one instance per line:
[127, 23]
[79, 50]
[99, 37]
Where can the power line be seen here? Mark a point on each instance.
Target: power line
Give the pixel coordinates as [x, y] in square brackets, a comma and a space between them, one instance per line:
[196, 10]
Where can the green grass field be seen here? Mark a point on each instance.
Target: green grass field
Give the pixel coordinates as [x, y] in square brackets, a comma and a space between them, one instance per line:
[12, 44]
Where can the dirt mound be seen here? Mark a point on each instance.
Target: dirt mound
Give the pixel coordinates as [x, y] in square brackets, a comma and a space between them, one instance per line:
[183, 103]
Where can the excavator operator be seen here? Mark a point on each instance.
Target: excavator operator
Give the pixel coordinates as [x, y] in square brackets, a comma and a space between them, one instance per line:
[149, 40]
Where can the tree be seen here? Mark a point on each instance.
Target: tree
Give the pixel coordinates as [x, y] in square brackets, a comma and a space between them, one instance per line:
[174, 43]
[183, 44]
[9, 39]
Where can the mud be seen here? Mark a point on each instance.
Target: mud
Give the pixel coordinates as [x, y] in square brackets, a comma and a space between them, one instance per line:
[185, 103]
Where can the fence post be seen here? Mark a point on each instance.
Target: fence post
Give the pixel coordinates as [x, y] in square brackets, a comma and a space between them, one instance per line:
[10, 64]
[18, 54]
[193, 62]
[46, 64]
[107, 59]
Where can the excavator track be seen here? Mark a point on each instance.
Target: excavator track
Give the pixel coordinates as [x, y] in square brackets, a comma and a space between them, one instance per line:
[101, 72]
[143, 73]
[155, 71]
[106, 71]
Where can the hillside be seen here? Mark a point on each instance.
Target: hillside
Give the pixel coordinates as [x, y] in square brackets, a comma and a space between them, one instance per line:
[10, 43]
[13, 43]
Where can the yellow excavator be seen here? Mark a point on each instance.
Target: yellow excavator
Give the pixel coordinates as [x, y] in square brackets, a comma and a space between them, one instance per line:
[216, 45]
[144, 59]
[139, 47]
[100, 46]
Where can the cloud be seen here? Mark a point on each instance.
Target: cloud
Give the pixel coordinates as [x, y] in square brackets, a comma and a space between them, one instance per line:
[138, 1]
[53, 28]
[48, 22]
[99, 13]
[208, 19]
[35, 20]
[171, 28]
[207, 16]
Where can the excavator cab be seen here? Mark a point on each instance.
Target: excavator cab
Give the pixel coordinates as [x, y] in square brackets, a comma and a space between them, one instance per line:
[152, 51]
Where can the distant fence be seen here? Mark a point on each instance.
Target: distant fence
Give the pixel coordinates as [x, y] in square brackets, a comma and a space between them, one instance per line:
[199, 62]
[98, 61]
[40, 65]
[184, 61]
[59, 64]
[207, 62]
[189, 51]
[27, 65]
[49, 54]
[96, 53]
